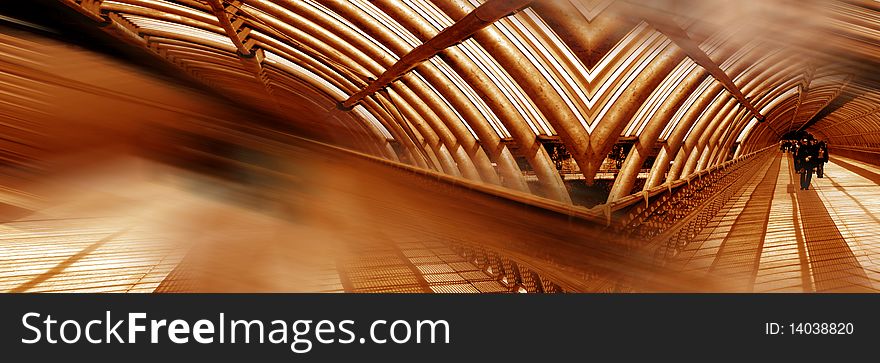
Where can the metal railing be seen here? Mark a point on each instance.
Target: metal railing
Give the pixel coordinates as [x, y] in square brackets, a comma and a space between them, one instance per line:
[644, 216]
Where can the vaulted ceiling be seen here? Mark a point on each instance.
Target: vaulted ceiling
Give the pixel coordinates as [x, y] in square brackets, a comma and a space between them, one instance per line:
[466, 87]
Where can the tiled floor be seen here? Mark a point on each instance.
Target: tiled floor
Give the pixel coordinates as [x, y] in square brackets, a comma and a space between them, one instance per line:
[770, 237]
[145, 234]
[777, 238]
[700, 255]
[783, 265]
[853, 204]
[738, 254]
[416, 265]
[50, 250]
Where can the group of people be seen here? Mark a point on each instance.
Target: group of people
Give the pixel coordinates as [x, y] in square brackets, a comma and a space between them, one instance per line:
[809, 155]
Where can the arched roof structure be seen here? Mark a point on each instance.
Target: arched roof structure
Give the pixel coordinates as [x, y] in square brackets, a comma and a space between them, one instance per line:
[466, 87]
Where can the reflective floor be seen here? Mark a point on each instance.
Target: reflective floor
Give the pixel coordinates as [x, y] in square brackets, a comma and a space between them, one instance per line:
[778, 238]
[132, 225]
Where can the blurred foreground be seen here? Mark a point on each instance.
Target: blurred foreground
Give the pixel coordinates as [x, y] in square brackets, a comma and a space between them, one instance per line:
[115, 180]
[329, 222]
[124, 225]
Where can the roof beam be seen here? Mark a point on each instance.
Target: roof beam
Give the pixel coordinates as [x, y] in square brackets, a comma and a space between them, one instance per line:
[483, 16]
[838, 100]
[692, 49]
[117, 26]
[251, 59]
[89, 8]
[223, 17]
[803, 88]
[92, 6]
[665, 24]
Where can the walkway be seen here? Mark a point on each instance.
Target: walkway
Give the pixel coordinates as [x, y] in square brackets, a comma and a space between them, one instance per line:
[135, 226]
[774, 237]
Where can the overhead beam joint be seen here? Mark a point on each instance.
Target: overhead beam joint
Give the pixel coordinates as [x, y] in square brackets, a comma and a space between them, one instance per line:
[481, 17]
[666, 25]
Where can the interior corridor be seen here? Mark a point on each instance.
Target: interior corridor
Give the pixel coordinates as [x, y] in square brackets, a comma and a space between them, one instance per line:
[437, 146]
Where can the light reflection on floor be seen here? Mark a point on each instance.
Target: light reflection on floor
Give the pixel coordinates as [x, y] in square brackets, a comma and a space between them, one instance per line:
[825, 239]
[125, 226]
[135, 226]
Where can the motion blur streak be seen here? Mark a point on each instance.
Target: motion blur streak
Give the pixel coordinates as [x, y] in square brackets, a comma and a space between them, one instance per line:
[109, 193]
[553, 146]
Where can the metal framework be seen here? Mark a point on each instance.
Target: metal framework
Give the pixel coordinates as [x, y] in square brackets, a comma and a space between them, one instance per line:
[458, 84]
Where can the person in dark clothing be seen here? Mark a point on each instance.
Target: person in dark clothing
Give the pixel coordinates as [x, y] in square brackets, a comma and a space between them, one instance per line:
[805, 158]
[821, 158]
[795, 154]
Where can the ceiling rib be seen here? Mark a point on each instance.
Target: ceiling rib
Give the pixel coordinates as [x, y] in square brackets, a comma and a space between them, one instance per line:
[692, 49]
[803, 89]
[837, 100]
[251, 59]
[483, 16]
